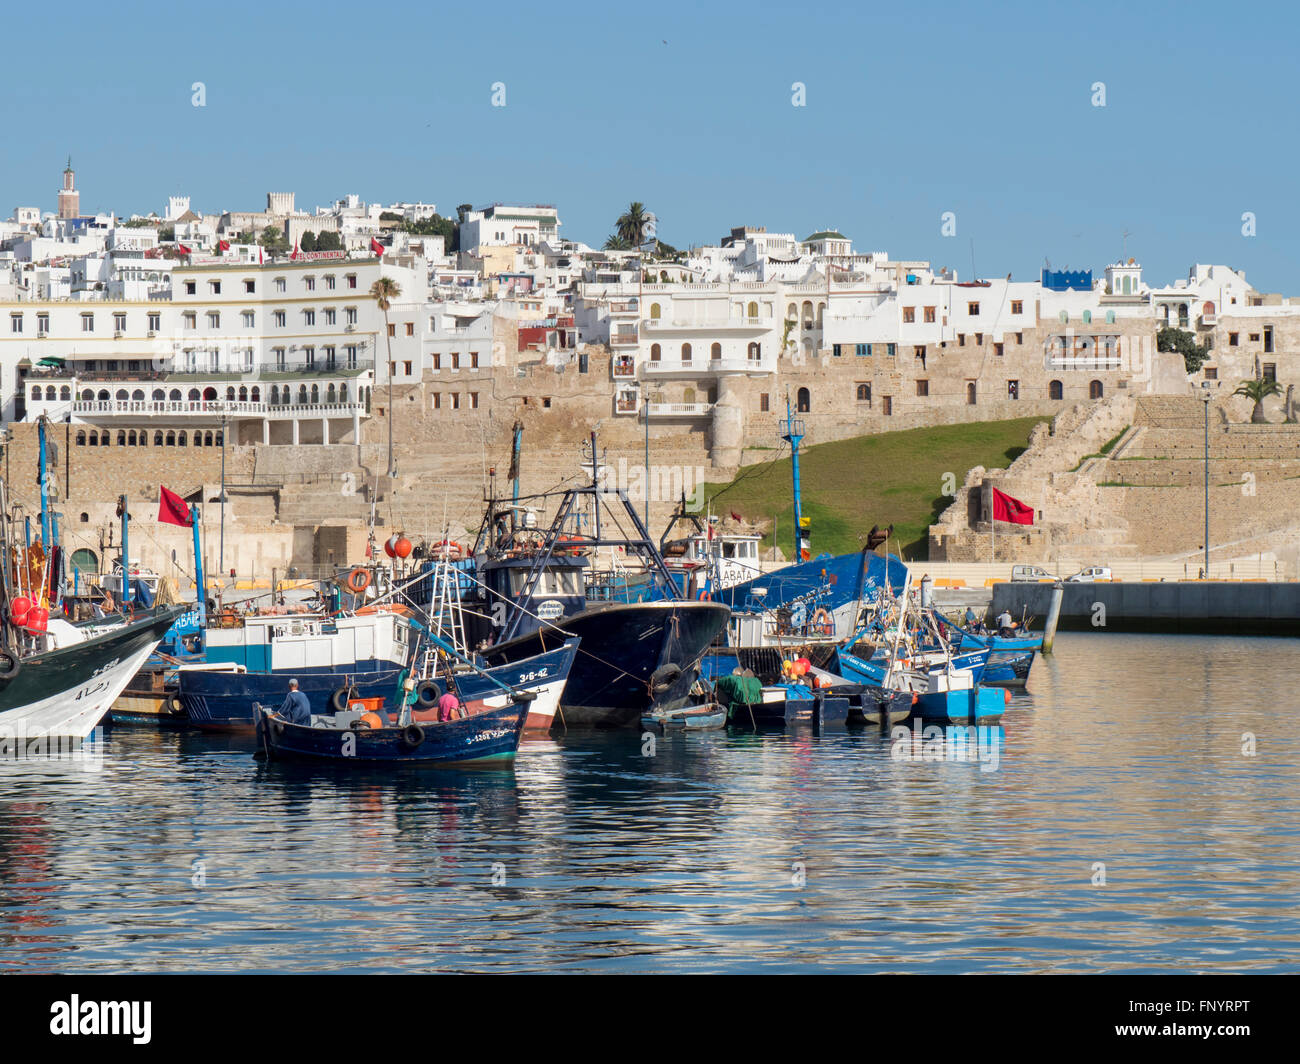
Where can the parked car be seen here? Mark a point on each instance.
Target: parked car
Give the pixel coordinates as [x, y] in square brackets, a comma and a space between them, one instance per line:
[1089, 575]
[1030, 572]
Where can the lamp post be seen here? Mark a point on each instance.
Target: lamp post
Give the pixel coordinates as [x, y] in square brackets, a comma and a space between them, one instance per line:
[1205, 398]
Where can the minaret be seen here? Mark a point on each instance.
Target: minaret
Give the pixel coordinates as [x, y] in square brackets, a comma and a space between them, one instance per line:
[69, 197]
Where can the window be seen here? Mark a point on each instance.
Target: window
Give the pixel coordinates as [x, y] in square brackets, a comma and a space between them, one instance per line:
[155, 321]
[310, 282]
[250, 285]
[891, 349]
[190, 319]
[1211, 373]
[1094, 390]
[887, 406]
[351, 278]
[455, 360]
[410, 328]
[864, 393]
[803, 400]
[350, 316]
[763, 403]
[979, 339]
[1020, 338]
[961, 339]
[1055, 390]
[215, 286]
[330, 282]
[309, 318]
[655, 354]
[1270, 371]
[929, 314]
[279, 284]
[1013, 389]
[277, 318]
[392, 328]
[329, 357]
[923, 388]
[1268, 339]
[437, 400]
[329, 315]
[15, 323]
[88, 323]
[972, 309]
[997, 350]
[1232, 339]
[473, 400]
[191, 287]
[455, 400]
[909, 315]
[1017, 306]
[862, 350]
[246, 319]
[406, 367]
[214, 319]
[918, 351]
[278, 352]
[473, 360]
[309, 357]
[686, 352]
[43, 324]
[546, 403]
[715, 351]
[1254, 338]
[437, 360]
[970, 393]
[754, 351]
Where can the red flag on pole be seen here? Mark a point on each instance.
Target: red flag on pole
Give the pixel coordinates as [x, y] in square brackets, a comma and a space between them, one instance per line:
[1005, 508]
[172, 509]
[259, 256]
[377, 247]
[293, 257]
[223, 245]
[183, 249]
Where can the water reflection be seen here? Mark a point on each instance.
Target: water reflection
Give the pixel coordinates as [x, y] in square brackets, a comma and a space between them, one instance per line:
[1122, 829]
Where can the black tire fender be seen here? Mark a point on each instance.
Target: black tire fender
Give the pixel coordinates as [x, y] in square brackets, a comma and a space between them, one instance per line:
[412, 736]
[340, 698]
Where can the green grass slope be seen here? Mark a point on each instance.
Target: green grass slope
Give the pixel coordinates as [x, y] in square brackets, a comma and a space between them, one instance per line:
[893, 478]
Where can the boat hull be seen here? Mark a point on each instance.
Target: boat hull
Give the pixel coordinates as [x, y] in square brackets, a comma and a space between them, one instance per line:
[629, 652]
[492, 735]
[69, 690]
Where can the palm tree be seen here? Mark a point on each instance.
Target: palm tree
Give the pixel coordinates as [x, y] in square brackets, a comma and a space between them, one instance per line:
[617, 243]
[631, 225]
[1257, 391]
[384, 291]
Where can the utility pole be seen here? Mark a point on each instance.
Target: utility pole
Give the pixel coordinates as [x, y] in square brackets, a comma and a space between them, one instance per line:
[1205, 397]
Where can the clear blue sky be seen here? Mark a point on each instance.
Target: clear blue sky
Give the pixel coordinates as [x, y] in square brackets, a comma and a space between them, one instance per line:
[912, 110]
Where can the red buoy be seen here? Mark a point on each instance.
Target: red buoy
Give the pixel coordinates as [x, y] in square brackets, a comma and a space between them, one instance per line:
[38, 619]
[18, 610]
[402, 547]
[390, 546]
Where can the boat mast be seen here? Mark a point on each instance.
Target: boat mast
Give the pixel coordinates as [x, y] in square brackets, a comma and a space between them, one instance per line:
[126, 556]
[43, 479]
[794, 435]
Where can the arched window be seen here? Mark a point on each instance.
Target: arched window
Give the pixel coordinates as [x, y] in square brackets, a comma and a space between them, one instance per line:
[130, 438]
[755, 351]
[157, 439]
[302, 394]
[143, 439]
[655, 353]
[36, 394]
[171, 439]
[123, 394]
[180, 438]
[715, 351]
[81, 439]
[243, 394]
[315, 395]
[686, 352]
[654, 312]
[94, 438]
[207, 439]
[864, 393]
[1094, 390]
[792, 312]
[87, 395]
[1128, 286]
[159, 396]
[85, 520]
[103, 395]
[65, 393]
[807, 313]
[331, 396]
[1208, 310]
[256, 394]
[343, 392]
[210, 395]
[751, 311]
[1055, 390]
[138, 395]
[970, 393]
[50, 393]
[821, 314]
[230, 395]
[803, 400]
[218, 439]
[174, 395]
[195, 395]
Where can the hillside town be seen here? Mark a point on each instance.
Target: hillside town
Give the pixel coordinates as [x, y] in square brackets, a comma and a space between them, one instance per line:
[248, 348]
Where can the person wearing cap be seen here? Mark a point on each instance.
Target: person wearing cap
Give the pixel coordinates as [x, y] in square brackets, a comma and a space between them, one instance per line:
[296, 709]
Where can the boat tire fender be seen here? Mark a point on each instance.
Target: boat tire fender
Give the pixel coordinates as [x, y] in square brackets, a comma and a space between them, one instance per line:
[171, 707]
[664, 677]
[340, 698]
[412, 736]
[427, 695]
[9, 665]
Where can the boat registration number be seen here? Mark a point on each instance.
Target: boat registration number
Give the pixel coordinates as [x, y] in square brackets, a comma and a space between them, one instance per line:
[536, 674]
[98, 681]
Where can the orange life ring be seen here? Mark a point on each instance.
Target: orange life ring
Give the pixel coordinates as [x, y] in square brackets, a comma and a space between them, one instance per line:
[358, 580]
[823, 622]
[453, 550]
[706, 596]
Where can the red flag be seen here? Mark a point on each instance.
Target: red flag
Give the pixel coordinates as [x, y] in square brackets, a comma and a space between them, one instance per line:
[183, 249]
[1005, 508]
[172, 509]
[736, 517]
[377, 247]
[259, 256]
[294, 254]
[223, 245]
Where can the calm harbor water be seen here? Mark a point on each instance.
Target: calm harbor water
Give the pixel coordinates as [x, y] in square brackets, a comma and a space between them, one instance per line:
[721, 852]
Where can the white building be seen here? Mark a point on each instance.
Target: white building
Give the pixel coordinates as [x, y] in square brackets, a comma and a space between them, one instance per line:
[502, 225]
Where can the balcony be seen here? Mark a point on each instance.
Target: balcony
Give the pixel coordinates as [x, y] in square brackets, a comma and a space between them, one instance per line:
[623, 339]
[678, 409]
[623, 367]
[661, 325]
[699, 367]
[210, 409]
[623, 306]
[1084, 362]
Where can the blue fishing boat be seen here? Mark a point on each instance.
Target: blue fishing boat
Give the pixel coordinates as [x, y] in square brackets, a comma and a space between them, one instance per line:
[1010, 657]
[487, 725]
[942, 691]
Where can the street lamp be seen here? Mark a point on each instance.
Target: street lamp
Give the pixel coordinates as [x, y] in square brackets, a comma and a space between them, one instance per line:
[1205, 398]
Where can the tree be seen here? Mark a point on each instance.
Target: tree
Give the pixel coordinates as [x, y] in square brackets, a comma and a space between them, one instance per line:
[384, 291]
[1257, 391]
[632, 223]
[272, 238]
[615, 242]
[308, 241]
[329, 241]
[389, 216]
[1180, 340]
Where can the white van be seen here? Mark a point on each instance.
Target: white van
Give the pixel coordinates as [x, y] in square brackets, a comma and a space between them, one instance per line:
[1029, 572]
[1090, 575]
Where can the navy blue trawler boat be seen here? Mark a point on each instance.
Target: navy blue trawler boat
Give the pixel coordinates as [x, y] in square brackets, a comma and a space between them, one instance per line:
[527, 593]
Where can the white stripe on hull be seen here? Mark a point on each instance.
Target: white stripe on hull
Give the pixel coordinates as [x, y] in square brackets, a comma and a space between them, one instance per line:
[75, 711]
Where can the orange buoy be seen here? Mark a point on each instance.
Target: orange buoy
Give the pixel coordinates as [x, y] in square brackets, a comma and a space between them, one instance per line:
[402, 548]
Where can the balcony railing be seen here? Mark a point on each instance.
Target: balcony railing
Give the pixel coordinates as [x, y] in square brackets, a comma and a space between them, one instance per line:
[708, 365]
[622, 339]
[734, 322]
[259, 371]
[678, 409]
[211, 408]
[623, 368]
[1106, 362]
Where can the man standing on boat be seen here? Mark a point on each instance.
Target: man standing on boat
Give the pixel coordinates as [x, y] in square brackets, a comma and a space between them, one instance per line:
[296, 708]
